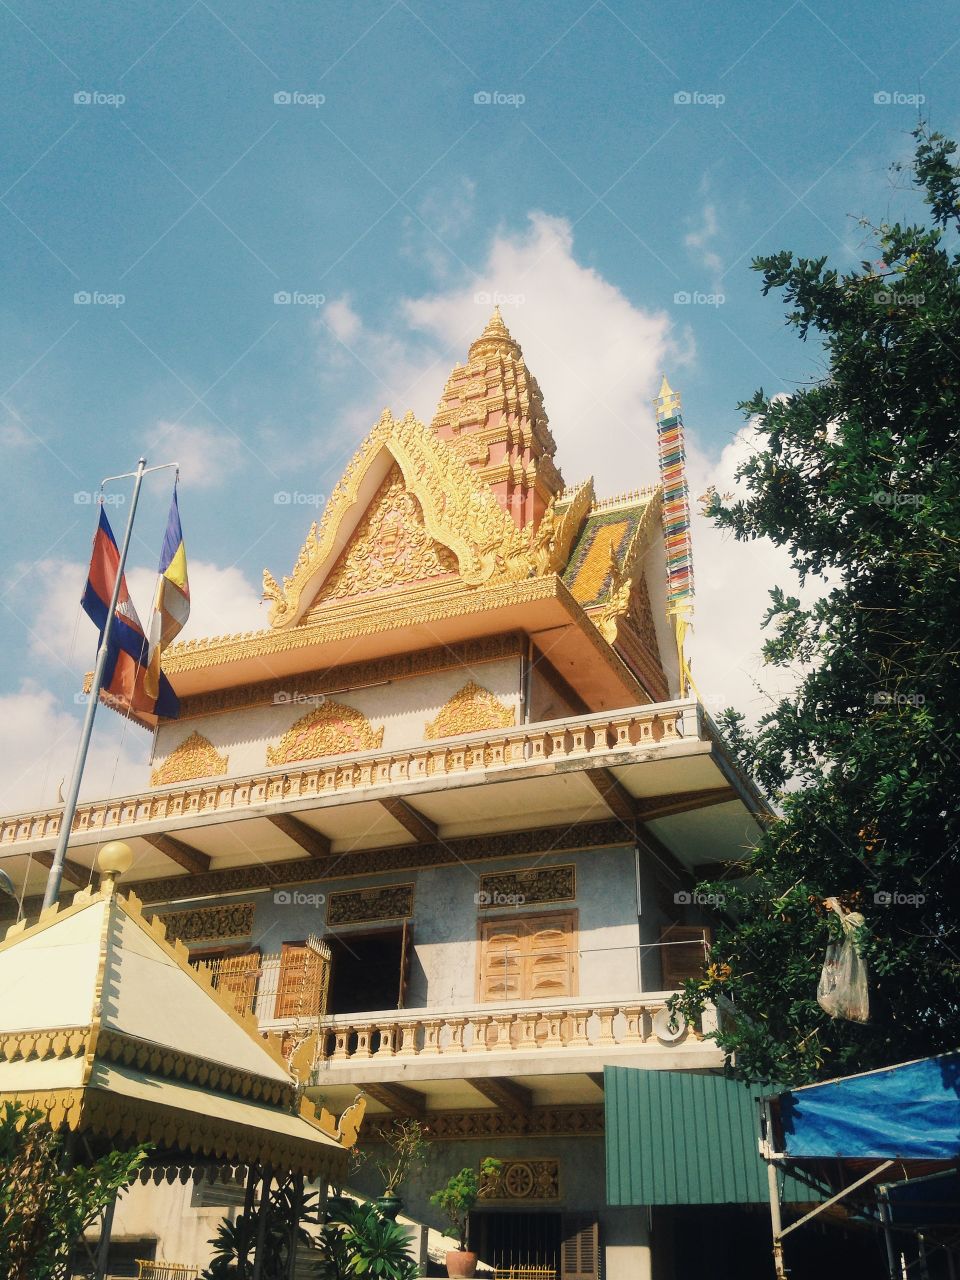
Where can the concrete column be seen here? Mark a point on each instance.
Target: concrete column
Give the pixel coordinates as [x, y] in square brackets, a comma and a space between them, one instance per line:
[625, 1236]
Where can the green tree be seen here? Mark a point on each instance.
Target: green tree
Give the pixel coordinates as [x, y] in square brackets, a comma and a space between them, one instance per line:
[858, 477]
[46, 1203]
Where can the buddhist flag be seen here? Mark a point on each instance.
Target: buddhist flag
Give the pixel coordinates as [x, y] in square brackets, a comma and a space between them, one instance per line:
[171, 607]
[123, 676]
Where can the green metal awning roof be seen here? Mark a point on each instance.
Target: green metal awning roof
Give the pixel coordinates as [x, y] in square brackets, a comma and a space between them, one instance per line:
[675, 1137]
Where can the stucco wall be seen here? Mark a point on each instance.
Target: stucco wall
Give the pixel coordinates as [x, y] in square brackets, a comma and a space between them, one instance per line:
[402, 707]
[445, 924]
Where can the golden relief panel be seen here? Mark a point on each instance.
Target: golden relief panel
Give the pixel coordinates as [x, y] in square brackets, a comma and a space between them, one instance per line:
[390, 548]
[472, 709]
[330, 730]
[525, 1180]
[195, 757]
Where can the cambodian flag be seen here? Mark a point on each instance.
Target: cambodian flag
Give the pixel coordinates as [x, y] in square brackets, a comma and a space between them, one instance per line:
[125, 670]
[171, 606]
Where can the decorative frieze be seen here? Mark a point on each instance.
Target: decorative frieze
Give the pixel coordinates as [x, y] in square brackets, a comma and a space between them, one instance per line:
[361, 906]
[525, 1180]
[608, 833]
[195, 757]
[524, 888]
[228, 922]
[536, 1122]
[332, 729]
[472, 709]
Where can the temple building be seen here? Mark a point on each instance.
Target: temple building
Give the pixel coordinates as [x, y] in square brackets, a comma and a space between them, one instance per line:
[438, 824]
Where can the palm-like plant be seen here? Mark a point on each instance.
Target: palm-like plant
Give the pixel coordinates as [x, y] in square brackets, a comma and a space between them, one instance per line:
[358, 1241]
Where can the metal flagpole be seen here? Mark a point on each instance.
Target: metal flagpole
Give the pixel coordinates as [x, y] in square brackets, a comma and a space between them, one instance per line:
[52, 892]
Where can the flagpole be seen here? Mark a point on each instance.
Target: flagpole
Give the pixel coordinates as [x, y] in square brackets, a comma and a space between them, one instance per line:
[52, 891]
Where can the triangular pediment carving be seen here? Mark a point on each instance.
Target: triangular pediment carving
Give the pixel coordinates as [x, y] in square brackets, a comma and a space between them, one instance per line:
[332, 729]
[391, 550]
[459, 512]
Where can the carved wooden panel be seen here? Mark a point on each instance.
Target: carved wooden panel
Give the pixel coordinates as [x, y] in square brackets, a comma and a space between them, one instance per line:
[360, 906]
[523, 888]
[227, 922]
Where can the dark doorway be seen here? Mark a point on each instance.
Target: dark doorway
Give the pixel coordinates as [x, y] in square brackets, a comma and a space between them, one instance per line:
[505, 1240]
[365, 971]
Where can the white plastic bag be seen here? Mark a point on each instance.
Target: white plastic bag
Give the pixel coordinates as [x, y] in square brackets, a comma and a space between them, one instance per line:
[843, 990]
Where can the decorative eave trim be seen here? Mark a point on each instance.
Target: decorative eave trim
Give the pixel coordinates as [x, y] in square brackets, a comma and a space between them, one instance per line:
[198, 655]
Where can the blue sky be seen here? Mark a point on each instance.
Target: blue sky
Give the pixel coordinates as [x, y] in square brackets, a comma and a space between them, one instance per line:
[584, 192]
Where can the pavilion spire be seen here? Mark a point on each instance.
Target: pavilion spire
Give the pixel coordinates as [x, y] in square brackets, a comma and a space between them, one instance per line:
[492, 413]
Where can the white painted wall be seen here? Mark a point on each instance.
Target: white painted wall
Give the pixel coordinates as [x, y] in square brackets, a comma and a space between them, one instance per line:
[402, 707]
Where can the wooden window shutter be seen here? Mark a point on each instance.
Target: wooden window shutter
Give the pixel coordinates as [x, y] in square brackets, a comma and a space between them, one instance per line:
[548, 959]
[679, 962]
[580, 1248]
[528, 957]
[303, 983]
[406, 952]
[501, 962]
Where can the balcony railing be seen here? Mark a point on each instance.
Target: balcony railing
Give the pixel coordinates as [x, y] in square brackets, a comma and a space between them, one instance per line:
[573, 737]
[546, 1025]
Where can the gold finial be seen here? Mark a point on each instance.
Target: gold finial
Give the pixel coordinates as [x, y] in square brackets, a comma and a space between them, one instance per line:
[667, 402]
[495, 337]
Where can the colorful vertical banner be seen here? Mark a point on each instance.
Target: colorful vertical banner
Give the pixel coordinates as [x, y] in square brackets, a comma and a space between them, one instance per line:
[676, 519]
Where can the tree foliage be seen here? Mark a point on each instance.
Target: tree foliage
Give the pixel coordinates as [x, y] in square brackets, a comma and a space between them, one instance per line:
[46, 1202]
[858, 477]
[357, 1241]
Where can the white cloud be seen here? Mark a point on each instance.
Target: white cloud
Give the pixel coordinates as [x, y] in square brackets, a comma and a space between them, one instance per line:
[342, 319]
[222, 602]
[699, 240]
[38, 741]
[207, 456]
[14, 435]
[733, 580]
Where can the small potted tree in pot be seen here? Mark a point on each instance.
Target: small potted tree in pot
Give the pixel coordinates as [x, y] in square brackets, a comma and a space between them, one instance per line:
[456, 1200]
[405, 1145]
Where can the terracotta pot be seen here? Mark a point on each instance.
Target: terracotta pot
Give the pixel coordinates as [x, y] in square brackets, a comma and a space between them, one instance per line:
[461, 1263]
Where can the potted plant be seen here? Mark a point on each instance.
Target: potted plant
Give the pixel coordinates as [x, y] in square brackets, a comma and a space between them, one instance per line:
[456, 1200]
[404, 1146]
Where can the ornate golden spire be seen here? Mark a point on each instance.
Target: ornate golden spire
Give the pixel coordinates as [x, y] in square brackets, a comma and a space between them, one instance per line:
[492, 415]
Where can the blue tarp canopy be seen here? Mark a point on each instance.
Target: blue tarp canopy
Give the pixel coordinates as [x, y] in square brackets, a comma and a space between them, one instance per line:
[909, 1112]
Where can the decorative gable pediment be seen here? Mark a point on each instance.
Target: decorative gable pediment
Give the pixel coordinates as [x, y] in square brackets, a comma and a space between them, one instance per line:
[459, 512]
[391, 549]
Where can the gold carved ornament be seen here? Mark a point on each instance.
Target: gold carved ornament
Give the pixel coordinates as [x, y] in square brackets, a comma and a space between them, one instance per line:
[459, 511]
[622, 574]
[195, 757]
[330, 730]
[556, 533]
[472, 709]
[391, 547]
